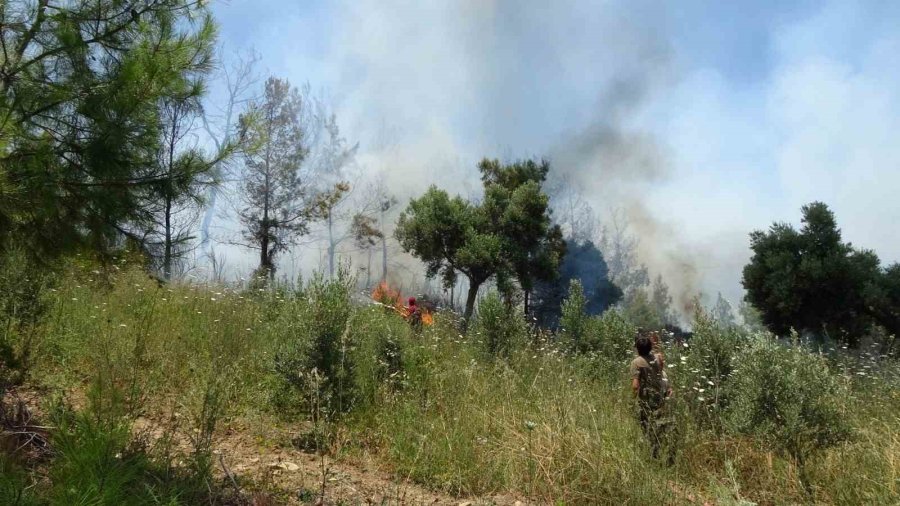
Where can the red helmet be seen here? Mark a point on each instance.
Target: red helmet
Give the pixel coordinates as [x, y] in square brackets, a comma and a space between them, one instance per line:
[412, 301]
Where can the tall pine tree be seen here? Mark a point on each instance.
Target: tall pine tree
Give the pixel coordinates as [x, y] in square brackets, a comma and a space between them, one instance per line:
[80, 88]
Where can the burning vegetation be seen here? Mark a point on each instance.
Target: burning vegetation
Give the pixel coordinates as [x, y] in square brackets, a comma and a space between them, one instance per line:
[391, 298]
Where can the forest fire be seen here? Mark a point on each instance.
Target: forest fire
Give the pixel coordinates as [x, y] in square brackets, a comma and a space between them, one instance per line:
[391, 298]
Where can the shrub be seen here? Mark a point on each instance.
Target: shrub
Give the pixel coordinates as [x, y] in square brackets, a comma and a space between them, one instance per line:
[611, 336]
[704, 366]
[498, 326]
[381, 341]
[573, 321]
[787, 397]
[21, 307]
[317, 364]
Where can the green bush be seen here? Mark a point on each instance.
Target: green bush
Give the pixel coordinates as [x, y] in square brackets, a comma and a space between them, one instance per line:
[381, 352]
[703, 368]
[786, 396]
[611, 336]
[22, 305]
[99, 460]
[14, 483]
[317, 363]
[498, 326]
[573, 321]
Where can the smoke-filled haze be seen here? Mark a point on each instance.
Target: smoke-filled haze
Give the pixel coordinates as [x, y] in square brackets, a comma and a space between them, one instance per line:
[699, 120]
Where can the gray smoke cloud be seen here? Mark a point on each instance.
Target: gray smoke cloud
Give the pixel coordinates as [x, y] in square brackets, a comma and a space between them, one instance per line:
[613, 93]
[452, 82]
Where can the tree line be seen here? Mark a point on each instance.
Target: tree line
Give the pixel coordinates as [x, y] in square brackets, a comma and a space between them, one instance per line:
[108, 141]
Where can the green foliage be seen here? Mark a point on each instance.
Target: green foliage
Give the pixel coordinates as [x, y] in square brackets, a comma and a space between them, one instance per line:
[98, 462]
[705, 366]
[787, 397]
[812, 281]
[279, 199]
[611, 337]
[171, 205]
[884, 300]
[499, 327]
[382, 357]
[317, 361]
[14, 483]
[22, 305]
[583, 262]
[450, 236]
[81, 87]
[574, 322]
[639, 309]
[545, 426]
[509, 235]
[518, 209]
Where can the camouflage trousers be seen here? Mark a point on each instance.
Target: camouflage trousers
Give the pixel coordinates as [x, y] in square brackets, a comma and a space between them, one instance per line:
[659, 429]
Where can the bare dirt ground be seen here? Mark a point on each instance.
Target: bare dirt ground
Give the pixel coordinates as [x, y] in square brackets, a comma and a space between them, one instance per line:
[264, 468]
[302, 477]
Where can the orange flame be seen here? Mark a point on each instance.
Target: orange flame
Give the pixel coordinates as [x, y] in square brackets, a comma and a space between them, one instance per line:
[391, 298]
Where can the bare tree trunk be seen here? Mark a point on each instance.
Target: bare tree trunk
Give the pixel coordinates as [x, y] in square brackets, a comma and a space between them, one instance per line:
[264, 251]
[369, 270]
[330, 247]
[167, 254]
[383, 250]
[470, 302]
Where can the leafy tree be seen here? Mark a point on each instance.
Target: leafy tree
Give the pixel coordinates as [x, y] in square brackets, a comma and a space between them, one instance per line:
[884, 301]
[662, 302]
[573, 320]
[810, 280]
[583, 262]
[81, 84]
[451, 235]
[519, 209]
[279, 198]
[366, 236]
[508, 235]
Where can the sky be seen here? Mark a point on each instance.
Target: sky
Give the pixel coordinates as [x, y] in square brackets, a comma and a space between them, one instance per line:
[702, 121]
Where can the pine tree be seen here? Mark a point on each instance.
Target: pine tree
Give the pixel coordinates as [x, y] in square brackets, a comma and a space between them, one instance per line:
[81, 84]
[280, 200]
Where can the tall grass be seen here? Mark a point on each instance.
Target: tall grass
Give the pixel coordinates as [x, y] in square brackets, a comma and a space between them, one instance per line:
[502, 409]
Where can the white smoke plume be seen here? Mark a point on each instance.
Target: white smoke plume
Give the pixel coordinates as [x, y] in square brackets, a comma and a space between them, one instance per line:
[613, 93]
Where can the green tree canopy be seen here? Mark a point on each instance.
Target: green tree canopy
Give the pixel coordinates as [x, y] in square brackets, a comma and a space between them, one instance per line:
[810, 280]
[508, 235]
[583, 262]
[81, 85]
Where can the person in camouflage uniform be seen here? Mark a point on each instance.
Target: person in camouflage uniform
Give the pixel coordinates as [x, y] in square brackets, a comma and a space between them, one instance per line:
[647, 384]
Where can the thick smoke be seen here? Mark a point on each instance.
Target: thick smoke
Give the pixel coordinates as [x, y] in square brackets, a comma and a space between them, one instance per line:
[664, 113]
[615, 166]
[443, 84]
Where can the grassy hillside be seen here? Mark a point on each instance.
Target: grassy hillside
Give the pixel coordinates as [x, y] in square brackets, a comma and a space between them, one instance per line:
[139, 381]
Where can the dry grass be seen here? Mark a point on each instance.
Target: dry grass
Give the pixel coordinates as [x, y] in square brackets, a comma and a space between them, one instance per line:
[541, 424]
